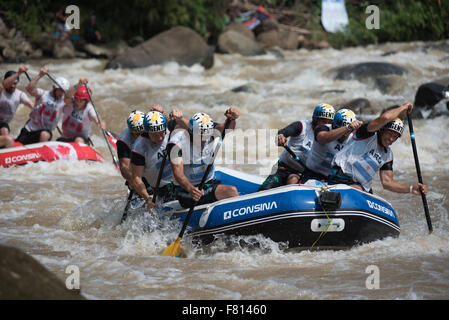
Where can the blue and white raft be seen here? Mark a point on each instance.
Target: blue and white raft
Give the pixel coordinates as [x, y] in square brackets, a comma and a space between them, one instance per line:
[318, 216]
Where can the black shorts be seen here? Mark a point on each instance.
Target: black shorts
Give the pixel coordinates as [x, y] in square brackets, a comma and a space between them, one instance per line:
[310, 174]
[5, 125]
[166, 193]
[28, 137]
[279, 178]
[186, 201]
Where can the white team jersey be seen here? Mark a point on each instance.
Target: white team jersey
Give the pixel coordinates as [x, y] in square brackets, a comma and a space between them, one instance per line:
[77, 123]
[46, 111]
[195, 157]
[10, 102]
[362, 158]
[153, 154]
[300, 144]
[321, 155]
[127, 138]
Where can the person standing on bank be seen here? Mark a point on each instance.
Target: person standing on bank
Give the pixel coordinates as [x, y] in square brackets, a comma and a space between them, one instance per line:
[10, 99]
[370, 152]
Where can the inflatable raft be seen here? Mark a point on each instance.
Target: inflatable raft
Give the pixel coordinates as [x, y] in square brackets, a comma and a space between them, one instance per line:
[316, 215]
[48, 151]
[52, 150]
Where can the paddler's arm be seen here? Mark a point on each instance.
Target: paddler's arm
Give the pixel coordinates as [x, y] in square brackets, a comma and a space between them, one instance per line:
[31, 87]
[181, 122]
[11, 79]
[177, 167]
[139, 186]
[388, 183]
[323, 135]
[68, 95]
[231, 114]
[388, 116]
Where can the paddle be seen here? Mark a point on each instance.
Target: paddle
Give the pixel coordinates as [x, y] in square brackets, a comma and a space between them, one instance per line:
[418, 171]
[300, 167]
[156, 189]
[114, 159]
[174, 249]
[128, 203]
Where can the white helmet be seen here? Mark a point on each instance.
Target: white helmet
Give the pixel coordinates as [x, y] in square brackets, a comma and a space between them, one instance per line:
[202, 122]
[154, 122]
[343, 117]
[62, 83]
[397, 125]
[135, 121]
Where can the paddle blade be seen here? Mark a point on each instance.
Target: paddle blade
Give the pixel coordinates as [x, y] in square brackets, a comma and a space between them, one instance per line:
[174, 250]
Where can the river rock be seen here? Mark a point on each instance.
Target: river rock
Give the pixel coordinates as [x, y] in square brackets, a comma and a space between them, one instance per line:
[361, 71]
[179, 44]
[358, 105]
[3, 28]
[63, 49]
[242, 29]
[268, 39]
[23, 277]
[107, 51]
[246, 88]
[234, 42]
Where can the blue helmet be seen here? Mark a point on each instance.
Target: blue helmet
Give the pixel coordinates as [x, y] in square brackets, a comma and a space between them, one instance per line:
[135, 121]
[396, 125]
[324, 111]
[154, 122]
[343, 117]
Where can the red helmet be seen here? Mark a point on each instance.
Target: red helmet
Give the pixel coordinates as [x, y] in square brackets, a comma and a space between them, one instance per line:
[81, 93]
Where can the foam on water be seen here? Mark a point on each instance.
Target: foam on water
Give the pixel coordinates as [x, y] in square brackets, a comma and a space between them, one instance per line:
[68, 212]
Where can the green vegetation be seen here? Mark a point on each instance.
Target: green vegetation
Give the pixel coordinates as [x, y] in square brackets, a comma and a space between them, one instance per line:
[400, 20]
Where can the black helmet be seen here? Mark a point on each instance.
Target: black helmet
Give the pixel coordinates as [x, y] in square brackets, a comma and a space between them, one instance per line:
[10, 73]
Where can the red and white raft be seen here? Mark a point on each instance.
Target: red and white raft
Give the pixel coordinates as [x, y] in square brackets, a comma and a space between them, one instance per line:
[47, 151]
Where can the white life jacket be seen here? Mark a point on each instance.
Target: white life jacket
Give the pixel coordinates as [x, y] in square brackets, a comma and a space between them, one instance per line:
[46, 112]
[362, 158]
[77, 123]
[10, 102]
[321, 155]
[153, 154]
[300, 144]
[196, 158]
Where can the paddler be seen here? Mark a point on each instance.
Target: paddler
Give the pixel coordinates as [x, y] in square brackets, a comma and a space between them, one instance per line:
[190, 153]
[328, 140]
[78, 116]
[300, 135]
[10, 99]
[369, 152]
[47, 109]
[147, 157]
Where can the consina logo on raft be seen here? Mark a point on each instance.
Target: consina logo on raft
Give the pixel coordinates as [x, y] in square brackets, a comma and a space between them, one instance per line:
[250, 209]
[22, 157]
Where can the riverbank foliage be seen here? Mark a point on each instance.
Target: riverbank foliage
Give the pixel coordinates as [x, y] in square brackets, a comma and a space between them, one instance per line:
[400, 20]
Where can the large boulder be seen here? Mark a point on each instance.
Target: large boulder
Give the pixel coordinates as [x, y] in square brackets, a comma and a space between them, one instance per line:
[365, 70]
[180, 44]
[231, 41]
[23, 277]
